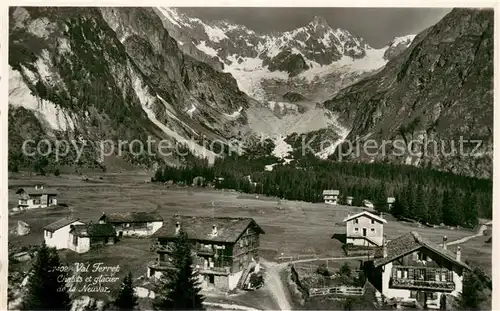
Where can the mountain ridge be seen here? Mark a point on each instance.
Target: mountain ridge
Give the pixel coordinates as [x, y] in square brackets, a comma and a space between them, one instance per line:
[290, 59]
[438, 90]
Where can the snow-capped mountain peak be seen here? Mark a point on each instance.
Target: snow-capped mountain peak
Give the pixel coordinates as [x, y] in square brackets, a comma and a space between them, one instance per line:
[262, 62]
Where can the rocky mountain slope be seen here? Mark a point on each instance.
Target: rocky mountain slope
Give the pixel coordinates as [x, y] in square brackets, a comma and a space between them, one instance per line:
[437, 92]
[94, 74]
[266, 66]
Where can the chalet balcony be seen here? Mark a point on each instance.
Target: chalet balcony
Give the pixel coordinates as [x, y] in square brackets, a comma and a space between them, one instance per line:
[204, 250]
[165, 266]
[160, 265]
[422, 285]
[417, 278]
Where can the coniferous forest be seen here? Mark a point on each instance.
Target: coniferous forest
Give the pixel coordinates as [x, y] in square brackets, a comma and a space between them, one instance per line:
[422, 194]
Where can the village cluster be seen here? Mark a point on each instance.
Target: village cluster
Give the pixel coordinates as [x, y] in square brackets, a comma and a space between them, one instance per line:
[406, 269]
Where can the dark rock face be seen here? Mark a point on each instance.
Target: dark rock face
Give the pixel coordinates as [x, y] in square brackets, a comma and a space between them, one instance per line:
[293, 97]
[288, 62]
[439, 90]
[118, 74]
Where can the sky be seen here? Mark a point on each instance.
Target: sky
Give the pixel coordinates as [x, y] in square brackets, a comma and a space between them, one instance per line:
[377, 26]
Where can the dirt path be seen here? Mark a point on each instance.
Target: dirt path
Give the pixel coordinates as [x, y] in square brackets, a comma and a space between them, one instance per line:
[479, 233]
[275, 286]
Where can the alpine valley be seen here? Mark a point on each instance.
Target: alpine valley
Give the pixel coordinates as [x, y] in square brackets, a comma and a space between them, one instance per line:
[122, 74]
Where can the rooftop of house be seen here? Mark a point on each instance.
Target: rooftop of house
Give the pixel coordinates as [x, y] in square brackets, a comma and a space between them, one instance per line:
[366, 214]
[331, 192]
[37, 190]
[391, 200]
[228, 229]
[409, 243]
[63, 222]
[93, 230]
[131, 217]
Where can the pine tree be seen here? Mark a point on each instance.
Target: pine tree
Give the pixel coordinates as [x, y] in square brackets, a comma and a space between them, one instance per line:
[381, 198]
[180, 290]
[471, 295]
[126, 298]
[46, 291]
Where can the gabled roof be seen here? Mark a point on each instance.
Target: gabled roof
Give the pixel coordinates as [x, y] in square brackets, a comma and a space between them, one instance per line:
[93, 230]
[34, 191]
[367, 214]
[331, 192]
[56, 225]
[229, 229]
[409, 243]
[131, 217]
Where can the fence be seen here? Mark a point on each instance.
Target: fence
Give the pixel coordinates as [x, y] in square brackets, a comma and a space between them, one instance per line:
[337, 290]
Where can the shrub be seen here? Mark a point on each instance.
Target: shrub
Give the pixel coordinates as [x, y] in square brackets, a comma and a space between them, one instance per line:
[323, 270]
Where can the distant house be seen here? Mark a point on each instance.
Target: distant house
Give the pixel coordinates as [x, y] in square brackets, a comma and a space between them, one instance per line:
[133, 223]
[413, 269]
[226, 249]
[56, 234]
[331, 196]
[83, 237]
[348, 200]
[38, 197]
[365, 229]
[390, 202]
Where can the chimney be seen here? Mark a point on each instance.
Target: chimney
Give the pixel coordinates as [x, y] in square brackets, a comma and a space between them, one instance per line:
[384, 247]
[459, 253]
[214, 230]
[177, 227]
[445, 238]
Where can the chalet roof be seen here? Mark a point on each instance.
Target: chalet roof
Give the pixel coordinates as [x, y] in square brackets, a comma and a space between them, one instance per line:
[37, 191]
[229, 229]
[331, 192]
[93, 230]
[63, 222]
[367, 214]
[131, 217]
[409, 243]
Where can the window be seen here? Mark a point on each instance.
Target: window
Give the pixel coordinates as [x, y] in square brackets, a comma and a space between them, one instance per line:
[75, 240]
[372, 229]
[356, 229]
[211, 279]
[432, 296]
[373, 221]
[50, 234]
[356, 221]
[413, 294]
[37, 201]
